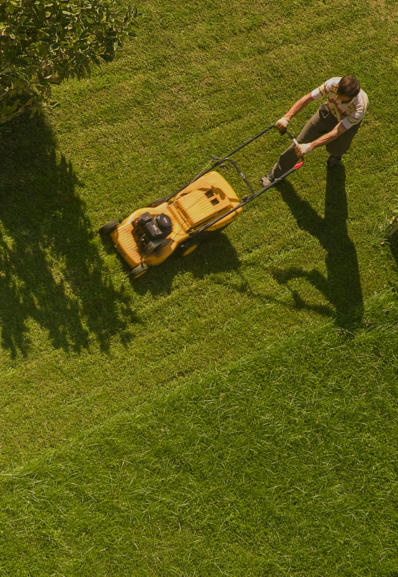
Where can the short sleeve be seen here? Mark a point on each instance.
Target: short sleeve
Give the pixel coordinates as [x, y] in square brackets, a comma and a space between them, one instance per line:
[357, 111]
[318, 92]
[325, 88]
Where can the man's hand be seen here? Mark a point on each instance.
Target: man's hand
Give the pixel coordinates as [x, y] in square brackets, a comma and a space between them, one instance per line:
[303, 149]
[281, 124]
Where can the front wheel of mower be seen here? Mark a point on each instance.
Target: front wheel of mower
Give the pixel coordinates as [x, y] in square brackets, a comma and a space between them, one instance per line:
[108, 227]
[139, 270]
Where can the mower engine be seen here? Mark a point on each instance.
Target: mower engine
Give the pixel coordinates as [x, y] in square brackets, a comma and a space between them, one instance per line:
[151, 232]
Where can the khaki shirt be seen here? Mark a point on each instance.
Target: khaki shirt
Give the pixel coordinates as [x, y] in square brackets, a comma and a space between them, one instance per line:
[348, 113]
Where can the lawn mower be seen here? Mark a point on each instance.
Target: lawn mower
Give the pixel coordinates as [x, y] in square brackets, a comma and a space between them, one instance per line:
[182, 220]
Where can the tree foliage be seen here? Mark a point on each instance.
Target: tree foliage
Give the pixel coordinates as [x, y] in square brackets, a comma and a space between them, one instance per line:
[42, 43]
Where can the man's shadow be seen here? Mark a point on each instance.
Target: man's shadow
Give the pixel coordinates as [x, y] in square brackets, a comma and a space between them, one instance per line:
[392, 242]
[341, 286]
[51, 270]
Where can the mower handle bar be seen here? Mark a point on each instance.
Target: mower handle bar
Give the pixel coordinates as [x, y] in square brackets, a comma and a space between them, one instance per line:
[246, 200]
[220, 161]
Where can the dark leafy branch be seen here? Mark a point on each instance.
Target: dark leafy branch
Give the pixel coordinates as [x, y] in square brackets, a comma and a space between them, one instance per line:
[44, 43]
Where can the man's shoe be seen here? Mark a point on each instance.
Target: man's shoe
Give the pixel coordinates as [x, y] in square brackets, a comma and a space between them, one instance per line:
[268, 179]
[333, 161]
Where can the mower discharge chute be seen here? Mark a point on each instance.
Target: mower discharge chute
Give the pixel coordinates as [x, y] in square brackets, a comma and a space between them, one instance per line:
[182, 220]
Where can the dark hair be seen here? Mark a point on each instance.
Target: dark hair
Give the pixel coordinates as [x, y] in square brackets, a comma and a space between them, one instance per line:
[348, 86]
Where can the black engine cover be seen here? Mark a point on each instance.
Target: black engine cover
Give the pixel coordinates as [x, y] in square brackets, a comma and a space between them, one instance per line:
[144, 218]
[149, 228]
[152, 231]
[164, 223]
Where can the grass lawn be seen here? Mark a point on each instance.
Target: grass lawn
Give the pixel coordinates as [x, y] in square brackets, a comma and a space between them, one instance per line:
[232, 412]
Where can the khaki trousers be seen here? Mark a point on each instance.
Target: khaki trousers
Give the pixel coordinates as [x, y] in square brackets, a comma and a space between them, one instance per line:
[321, 123]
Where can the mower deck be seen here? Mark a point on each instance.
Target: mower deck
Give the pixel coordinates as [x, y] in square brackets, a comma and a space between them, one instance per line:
[204, 200]
[182, 220]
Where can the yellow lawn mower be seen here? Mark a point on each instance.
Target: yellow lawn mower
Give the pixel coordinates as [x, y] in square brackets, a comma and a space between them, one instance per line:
[181, 221]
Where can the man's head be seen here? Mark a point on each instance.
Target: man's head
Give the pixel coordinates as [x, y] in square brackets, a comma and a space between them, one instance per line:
[348, 88]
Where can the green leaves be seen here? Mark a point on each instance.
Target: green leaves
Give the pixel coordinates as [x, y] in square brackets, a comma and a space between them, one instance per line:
[45, 43]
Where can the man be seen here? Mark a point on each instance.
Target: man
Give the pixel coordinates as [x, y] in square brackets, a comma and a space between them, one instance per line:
[335, 123]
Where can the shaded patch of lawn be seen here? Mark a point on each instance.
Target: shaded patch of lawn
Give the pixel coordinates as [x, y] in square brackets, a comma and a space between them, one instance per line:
[52, 269]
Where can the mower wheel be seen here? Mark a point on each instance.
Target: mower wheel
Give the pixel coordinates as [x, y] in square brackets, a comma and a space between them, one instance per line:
[139, 270]
[393, 226]
[208, 234]
[187, 247]
[108, 227]
[158, 202]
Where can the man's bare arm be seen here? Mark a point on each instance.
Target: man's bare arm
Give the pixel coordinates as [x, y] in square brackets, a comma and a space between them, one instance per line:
[329, 137]
[282, 123]
[298, 106]
[303, 149]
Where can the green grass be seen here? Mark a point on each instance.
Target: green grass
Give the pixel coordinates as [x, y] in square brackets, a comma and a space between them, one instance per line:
[283, 463]
[297, 297]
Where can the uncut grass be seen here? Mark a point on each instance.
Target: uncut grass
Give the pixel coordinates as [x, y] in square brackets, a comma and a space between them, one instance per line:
[281, 464]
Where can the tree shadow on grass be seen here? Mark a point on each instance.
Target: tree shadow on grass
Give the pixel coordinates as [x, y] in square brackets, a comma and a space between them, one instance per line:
[341, 286]
[50, 269]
